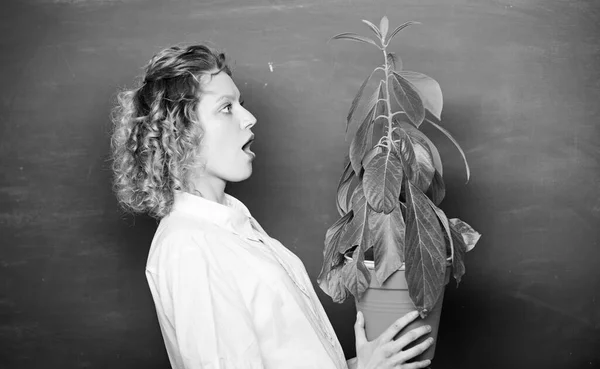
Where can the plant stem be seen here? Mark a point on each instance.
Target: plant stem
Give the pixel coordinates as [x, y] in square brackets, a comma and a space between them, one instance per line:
[387, 98]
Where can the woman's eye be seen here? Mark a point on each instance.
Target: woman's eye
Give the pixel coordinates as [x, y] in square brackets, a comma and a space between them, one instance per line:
[227, 108]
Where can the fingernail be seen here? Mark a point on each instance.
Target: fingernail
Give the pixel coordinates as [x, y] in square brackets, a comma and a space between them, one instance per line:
[428, 328]
[430, 339]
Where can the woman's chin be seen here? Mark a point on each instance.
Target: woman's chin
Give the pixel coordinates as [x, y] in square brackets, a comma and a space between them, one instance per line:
[242, 175]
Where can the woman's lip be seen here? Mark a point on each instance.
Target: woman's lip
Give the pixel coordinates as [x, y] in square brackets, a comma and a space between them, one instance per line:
[248, 143]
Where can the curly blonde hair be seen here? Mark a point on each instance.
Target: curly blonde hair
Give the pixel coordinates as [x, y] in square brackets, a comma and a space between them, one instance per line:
[156, 134]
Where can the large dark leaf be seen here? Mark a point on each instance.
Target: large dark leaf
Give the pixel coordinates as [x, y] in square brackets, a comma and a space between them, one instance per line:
[382, 181]
[425, 251]
[387, 232]
[354, 37]
[437, 189]
[408, 98]
[428, 89]
[355, 275]
[425, 142]
[360, 142]
[444, 131]
[458, 261]
[333, 285]
[353, 234]
[464, 238]
[332, 258]
[342, 189]
[444, 221]
[355, 102]
[371, 154]
[418, 162]
[407, 155]
[469, 235]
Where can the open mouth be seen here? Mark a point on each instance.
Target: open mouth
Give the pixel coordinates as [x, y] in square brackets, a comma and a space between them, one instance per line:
[246, 147]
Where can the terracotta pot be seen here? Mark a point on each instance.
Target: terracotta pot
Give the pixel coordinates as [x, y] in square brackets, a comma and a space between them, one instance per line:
[382, 305]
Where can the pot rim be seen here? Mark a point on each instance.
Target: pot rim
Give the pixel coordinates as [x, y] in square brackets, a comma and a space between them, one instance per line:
[370, 264]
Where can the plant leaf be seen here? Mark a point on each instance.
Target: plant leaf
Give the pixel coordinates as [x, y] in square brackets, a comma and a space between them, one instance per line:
[444, 220]
[437, 189]
[400, 28]
[464, 238]
[384, 25]
[428, 89]
[332, 258]
[468, 234]
[355, 274]
[425, 251]
[333, 285]
[373, 27]
[371, 154]
[330, 255]
[425, 141]
[354, 37]
[387, 232]
[418, 159]
[408, 98]
[382, 181]
[458, 261]
[444, 131]
[342, 189]
[356, 100]
[381, 106]
[394, 60]
[360, 142]
[356, 117]
[424, 168]
[354, 233]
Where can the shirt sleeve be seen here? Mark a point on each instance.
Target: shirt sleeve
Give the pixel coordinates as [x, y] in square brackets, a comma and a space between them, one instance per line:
[213, 327]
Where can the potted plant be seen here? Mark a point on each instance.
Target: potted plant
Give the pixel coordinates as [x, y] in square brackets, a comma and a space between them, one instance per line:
[393, 248]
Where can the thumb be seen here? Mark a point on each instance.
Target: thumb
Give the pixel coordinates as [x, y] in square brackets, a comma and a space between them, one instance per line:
[359, 329]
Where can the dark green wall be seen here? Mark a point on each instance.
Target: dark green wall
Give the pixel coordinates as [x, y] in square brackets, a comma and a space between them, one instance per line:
[522, 95]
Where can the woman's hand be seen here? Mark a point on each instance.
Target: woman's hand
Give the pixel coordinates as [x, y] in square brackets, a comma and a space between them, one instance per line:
[385, 352]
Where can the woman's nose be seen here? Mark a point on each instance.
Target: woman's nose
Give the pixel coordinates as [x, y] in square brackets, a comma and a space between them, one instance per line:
[248, 121]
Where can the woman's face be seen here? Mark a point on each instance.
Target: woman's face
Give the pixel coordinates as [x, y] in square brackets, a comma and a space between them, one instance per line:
[225, 150]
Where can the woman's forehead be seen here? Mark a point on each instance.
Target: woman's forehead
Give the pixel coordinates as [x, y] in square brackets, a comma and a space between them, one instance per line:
[219, 85]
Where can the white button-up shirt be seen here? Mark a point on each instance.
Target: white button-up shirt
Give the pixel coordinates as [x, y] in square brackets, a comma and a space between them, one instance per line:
[229, 296]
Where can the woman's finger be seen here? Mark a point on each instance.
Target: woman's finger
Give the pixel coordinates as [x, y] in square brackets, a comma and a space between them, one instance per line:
[404, 356]
[415, 365]
[359, 330]
[397, 326]
[409, 337]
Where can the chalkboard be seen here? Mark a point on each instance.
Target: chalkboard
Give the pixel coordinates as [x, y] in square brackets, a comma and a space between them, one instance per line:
[521, 82]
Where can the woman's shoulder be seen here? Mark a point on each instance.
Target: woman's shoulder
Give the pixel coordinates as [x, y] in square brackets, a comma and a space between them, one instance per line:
[179, 237]
[178, 228]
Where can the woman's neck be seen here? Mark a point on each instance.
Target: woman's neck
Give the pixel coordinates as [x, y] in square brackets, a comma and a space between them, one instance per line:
[210, 188]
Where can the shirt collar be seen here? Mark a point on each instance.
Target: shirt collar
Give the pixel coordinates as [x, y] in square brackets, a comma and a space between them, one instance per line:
[233, 216]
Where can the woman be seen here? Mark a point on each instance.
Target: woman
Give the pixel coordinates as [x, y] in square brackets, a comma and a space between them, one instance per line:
[226, 294]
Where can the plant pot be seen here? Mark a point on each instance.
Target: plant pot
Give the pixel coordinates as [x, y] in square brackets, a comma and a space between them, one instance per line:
[383, 305]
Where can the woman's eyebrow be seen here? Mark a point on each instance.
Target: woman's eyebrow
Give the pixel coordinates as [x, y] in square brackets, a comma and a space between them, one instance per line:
[227, 97]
